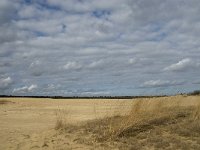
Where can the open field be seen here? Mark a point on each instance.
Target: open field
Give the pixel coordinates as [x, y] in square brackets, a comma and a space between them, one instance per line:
[145, 123]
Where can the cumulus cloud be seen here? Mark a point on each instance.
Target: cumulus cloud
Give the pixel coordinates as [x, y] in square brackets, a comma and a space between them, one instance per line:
[182, 65]
[160, 83]
[25, 89]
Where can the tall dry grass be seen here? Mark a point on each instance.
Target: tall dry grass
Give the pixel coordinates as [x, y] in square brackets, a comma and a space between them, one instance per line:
[148, 119]
[62, 118]
[148, 113]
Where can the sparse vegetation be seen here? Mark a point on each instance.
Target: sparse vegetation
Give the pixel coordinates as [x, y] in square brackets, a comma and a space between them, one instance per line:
[157, 124]
[147, 123]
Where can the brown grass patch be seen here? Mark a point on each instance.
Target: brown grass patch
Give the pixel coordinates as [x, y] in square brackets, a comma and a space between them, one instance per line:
[3, 101]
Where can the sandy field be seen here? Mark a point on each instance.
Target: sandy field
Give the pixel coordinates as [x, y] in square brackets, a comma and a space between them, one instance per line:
[29, 123]
[24, 119]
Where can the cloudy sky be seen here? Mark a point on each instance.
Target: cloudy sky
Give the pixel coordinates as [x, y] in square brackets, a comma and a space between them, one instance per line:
[99, 47]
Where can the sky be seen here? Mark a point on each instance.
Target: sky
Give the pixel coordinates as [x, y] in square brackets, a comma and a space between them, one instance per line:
[99, 47]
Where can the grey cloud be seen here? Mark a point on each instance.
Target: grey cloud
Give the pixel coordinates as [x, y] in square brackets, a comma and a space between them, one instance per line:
[7, 10]
[36, 68]
[7, 16]
[8, 34]
[196, 82]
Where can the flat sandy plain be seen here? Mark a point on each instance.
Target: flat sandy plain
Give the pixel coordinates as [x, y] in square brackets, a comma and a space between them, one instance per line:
[29, 123]
[25, 121]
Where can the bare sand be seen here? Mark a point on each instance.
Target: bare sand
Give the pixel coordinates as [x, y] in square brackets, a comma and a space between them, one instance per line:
[26, 122]
[29, 123]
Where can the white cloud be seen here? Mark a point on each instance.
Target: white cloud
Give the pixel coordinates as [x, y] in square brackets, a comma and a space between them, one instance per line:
[35, 63]
[5, 83]
[132, 61]
[182, 65]
[99, 93]
[25, 89]
[160, 83]
[96, 64]
[72, 65]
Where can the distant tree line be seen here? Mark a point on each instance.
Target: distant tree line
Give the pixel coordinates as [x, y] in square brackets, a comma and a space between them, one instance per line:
[196, 92]
[83, 97]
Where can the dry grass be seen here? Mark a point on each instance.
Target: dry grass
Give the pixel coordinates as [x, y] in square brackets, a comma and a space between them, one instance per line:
[152, 123]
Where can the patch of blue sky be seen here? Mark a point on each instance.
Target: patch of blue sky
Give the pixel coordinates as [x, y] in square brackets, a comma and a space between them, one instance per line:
[27, 1]
[42, 4]
[156, 26]
[101, 13]
[40, 34]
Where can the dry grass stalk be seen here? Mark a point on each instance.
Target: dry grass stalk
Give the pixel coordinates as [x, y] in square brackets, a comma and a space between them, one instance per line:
[61, 119]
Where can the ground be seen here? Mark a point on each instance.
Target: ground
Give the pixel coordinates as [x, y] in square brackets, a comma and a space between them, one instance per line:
[151, 123]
